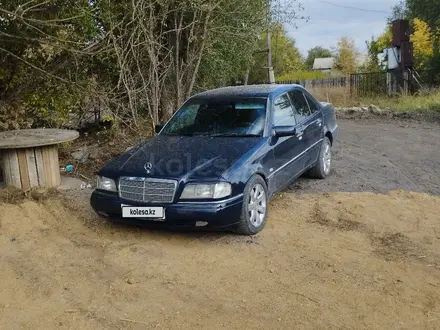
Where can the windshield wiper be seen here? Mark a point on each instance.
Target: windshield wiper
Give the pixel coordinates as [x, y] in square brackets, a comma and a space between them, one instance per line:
[178, 134]
[235, 134]
[213, 135]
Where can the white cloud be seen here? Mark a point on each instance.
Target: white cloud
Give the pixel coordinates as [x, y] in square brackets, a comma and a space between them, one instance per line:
[328, 23]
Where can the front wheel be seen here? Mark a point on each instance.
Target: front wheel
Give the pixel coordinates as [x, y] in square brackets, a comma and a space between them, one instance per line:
[254, 209]
[322, 168]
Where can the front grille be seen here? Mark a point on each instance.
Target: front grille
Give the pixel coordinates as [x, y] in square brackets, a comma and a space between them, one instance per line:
[147, 190]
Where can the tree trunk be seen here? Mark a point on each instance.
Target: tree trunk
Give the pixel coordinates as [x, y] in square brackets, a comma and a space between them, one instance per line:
[199, 56]
[177, 59]
[246, 76]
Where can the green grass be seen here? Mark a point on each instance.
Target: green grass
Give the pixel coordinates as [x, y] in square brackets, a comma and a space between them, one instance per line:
[426, 101]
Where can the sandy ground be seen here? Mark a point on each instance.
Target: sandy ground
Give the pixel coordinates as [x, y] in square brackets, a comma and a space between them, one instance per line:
[338, 261]
[334, 260]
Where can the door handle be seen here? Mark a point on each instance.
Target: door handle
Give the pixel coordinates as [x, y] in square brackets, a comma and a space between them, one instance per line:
[319, 122]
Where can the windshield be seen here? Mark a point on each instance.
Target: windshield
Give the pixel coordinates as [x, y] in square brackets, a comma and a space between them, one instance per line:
[239, 117]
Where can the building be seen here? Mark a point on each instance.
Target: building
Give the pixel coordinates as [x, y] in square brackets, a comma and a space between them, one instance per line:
[324, 64]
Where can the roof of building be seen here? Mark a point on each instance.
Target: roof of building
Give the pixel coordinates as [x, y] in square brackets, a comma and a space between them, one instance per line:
[323, 63]
[244, 91]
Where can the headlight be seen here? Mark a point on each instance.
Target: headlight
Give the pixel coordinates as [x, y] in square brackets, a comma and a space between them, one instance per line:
[206, 191]
[104, 183]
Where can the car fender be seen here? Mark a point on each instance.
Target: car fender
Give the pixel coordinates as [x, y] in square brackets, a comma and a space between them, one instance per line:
[259, 160]
[329, 118]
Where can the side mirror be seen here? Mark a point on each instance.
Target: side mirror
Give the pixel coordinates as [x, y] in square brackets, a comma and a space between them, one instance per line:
[280, 131]
[158, 128]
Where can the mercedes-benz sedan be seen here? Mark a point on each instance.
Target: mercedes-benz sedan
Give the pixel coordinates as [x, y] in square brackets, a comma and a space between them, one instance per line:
[220, 159]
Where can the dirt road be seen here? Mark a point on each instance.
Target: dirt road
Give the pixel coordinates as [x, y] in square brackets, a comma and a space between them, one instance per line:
[338, 260]
[382, 156]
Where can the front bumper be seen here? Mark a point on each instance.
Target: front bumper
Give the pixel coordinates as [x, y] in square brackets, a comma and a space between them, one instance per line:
[182, 215]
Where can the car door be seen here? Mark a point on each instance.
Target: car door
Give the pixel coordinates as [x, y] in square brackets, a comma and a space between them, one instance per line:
[309, 121]
[287, 150]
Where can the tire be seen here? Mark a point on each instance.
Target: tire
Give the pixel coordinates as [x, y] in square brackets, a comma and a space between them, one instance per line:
[323, 166]
[252, 221]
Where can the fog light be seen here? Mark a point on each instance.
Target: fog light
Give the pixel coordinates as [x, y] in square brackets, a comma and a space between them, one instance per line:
[201, 223]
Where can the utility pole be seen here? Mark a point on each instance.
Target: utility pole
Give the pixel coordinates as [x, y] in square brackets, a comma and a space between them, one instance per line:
[269, 58]
[269, 46]
[405, 73]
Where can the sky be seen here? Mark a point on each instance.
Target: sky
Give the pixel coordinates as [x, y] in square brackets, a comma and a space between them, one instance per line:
[332, 19]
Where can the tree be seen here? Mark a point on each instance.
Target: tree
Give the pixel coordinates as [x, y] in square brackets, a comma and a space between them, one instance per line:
[399, 11]
[426, 10]
[376, 46]
[425, 24]
[429, 12]
[165, 51]
[346, 56]
[146, 55]
[286, 56]
[42, 46]
[423, 44]
[316, 52]
[139, 59]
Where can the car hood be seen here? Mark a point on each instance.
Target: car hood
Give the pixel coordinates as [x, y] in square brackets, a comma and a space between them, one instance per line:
[184, 157]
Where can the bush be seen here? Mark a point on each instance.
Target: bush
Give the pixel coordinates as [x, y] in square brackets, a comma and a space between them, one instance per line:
[13, 116]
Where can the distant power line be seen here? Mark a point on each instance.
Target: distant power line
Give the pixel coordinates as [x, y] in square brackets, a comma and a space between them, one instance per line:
[355, 8]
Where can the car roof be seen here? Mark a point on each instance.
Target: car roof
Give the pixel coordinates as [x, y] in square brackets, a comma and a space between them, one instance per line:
[246, 91]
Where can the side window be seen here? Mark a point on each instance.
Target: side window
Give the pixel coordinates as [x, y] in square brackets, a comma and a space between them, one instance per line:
[312, 103]
[300, 104]
[283, 112]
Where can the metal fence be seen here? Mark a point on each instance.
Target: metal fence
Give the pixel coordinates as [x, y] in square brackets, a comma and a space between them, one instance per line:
[368, 84]
[385, 83]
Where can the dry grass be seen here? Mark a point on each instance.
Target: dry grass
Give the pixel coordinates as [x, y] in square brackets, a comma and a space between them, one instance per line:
[13, 195]
[425, 101]
[340, 97]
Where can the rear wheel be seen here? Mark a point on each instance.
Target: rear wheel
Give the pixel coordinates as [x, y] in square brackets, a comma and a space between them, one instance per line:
[322, 168]
[254, 209]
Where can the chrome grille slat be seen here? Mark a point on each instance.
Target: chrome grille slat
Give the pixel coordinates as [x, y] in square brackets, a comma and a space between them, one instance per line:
[148, 190]
[133, 190]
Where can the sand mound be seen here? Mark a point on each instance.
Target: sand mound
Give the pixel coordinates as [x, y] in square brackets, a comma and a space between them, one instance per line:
[342, 260]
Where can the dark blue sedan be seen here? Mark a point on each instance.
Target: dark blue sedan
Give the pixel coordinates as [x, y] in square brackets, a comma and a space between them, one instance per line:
[219, 160]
